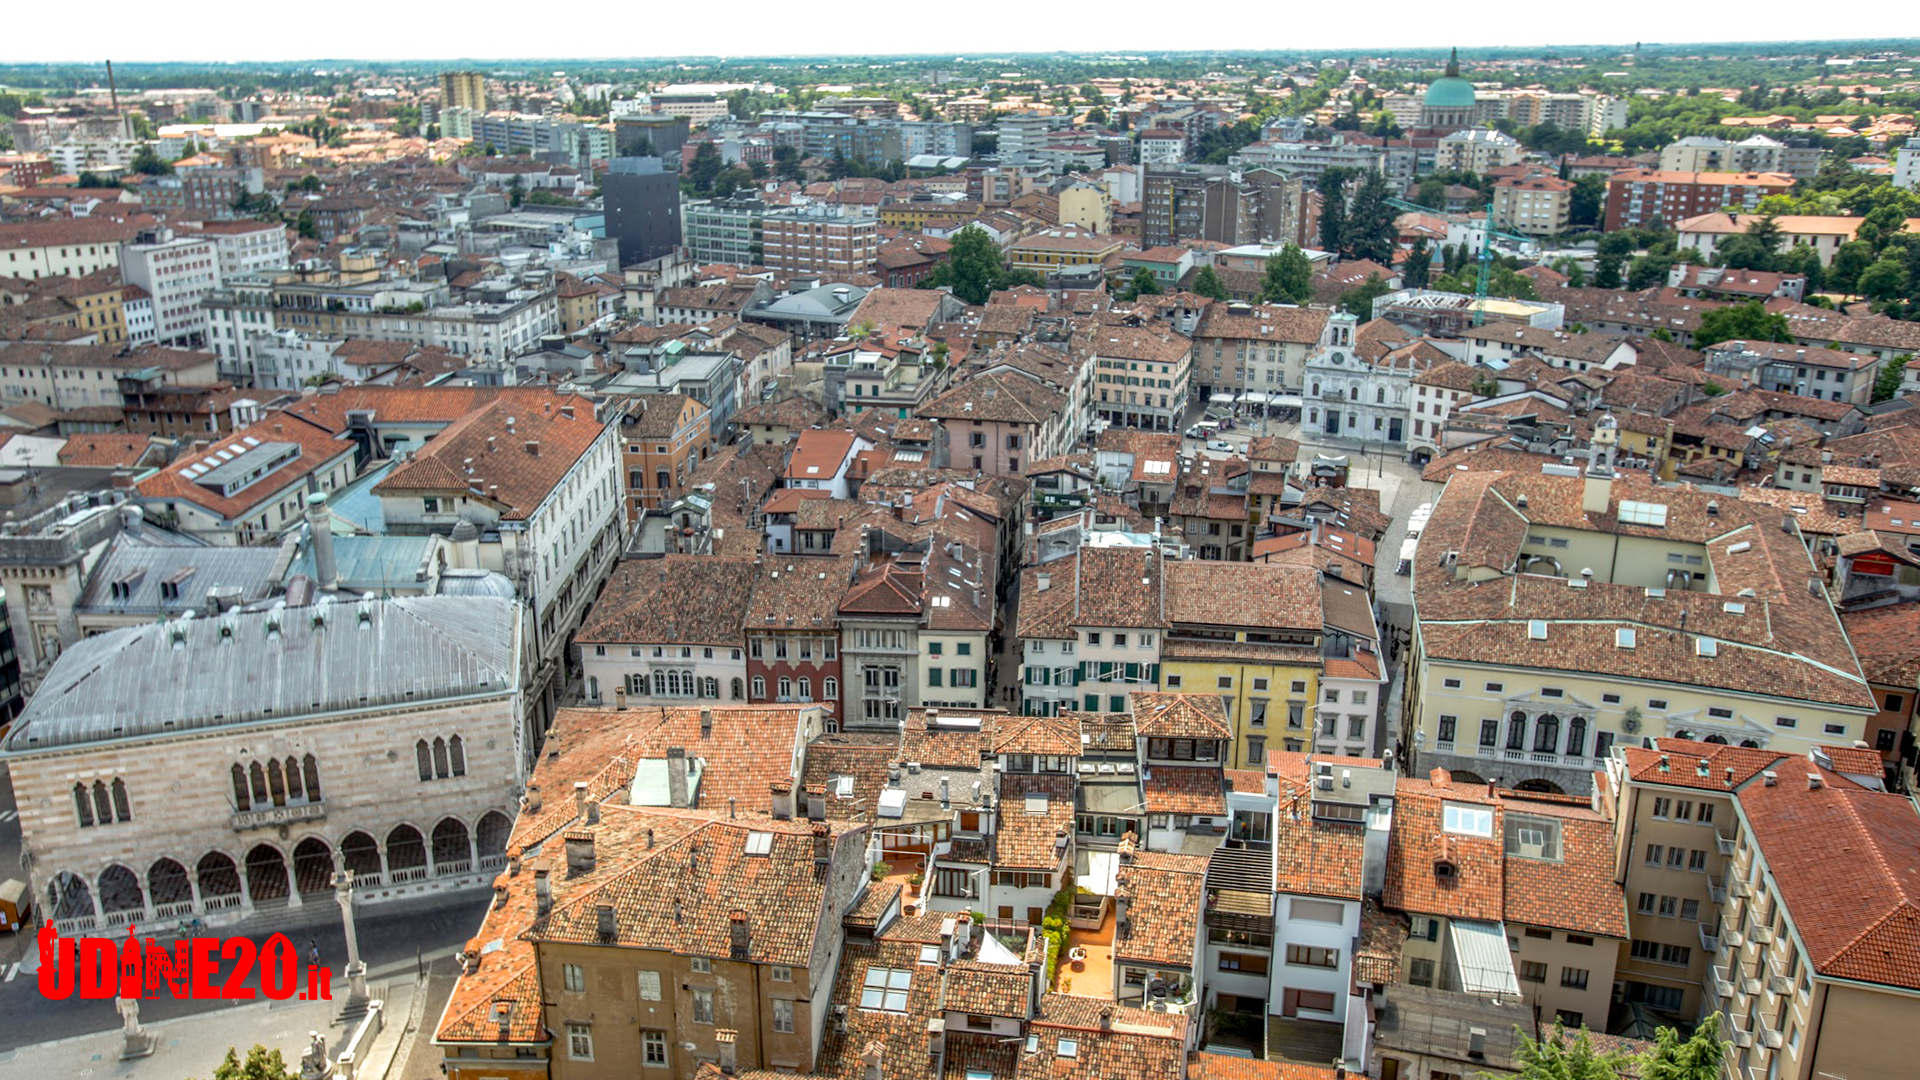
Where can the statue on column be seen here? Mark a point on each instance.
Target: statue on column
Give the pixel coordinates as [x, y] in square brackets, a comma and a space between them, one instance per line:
[314, 1064]
[139, 1043]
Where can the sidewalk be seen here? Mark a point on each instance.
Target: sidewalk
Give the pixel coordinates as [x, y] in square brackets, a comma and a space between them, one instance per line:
[192, 1046]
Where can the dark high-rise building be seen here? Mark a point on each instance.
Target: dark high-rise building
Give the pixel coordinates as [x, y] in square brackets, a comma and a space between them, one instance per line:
[643, 207]
[656, 134]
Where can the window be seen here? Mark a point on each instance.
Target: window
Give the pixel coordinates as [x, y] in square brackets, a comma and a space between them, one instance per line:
[702, 966]
[653, 1049]
[1468, 820]
[1420, 972]
[783, 1016]
[1495, 688]
[1533, 971]
[1451, 684]
[1662, 808]
[1312, 956]
[1320, 911]
[702, 1006]
[649, 986]
[1697, 860]
[1656, 703]
[885, 989]
[579, 1042]
[576, 978]
[1669, 906]
[830, 689]
[780, 972]
[1647, 902]
[1690, 910]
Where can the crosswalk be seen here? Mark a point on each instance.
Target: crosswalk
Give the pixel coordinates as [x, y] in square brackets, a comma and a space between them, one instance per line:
[8, 815]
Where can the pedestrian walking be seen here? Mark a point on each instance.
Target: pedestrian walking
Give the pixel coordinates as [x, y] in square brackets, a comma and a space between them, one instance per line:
[313, 950]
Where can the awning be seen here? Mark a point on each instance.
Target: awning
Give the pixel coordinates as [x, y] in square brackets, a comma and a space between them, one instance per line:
[1285, 401]
[1481, 958]
[1221, 399]
[1254, 397]
[1097, 872]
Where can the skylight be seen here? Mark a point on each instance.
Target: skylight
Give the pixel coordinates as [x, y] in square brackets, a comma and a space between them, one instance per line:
[886, 989]
[1537, 629]
[759, 843]
[1467, 820]
[1036, 804]
[1625, 637]
[1643, 513]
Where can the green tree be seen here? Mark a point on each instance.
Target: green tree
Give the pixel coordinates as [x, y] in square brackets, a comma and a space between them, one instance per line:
[1097, 116]
[1432, 193]
[1564, 1055]
[147, 162]
[1850, 260]
[1887, 383]
[706, 167]
[304, 226]
[1741, 322]
[1358, 301]
[1648, 271]
[1606, 270]
[1885, 280]
[1697, 1058]
[1418, 268]
[260, 1064]
[1333, 209]
[1586, 201]
[1370, 231]
[973, 267]
[1207, 283]
[1141, 284]
[1289, 278]
[516, 189]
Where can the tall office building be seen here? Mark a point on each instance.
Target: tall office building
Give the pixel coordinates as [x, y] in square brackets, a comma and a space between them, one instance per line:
[463, 89]
[643, 207]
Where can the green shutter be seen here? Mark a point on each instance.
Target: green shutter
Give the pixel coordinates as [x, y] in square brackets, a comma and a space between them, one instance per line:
[1153, 674]
[1133, 672]
[1092, 702]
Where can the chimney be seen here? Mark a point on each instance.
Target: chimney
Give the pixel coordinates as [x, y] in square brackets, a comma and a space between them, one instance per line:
[620, 698]
[1042, 581]
[870, 1061]
[729, 1059]
[542, 891]
[1770, 777]
[946, 941]
[822, 844]
[1106, 1018]
[706, 723]
[816, 802]
[782, 800]
[1813, 781]
[319, 524]
[1477, 1042]
[579, 851]
[604, 923]
[738, 937]
[533, 797]
[943, 793]
[677, 777]
[470, 957]
[500, 891]
[533, 447]
[580, 799]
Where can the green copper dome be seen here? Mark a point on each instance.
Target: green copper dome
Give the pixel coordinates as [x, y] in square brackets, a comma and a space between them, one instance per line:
[1450, 91]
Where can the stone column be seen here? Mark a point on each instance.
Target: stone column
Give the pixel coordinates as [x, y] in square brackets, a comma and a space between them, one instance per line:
[138, 1043]
[356, 969]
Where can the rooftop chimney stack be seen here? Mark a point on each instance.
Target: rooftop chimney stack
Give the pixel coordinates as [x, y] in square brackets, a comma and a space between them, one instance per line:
[677, 777]
[319, 524]
[604, 922]
[782, 800]
[738, 936]
[579, 851]
[542, 891]
[724, 1040]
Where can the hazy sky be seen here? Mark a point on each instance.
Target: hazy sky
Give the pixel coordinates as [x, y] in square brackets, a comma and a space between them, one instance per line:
[364, 29]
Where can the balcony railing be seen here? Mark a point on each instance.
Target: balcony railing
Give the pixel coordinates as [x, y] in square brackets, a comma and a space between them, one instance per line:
[1709, 940]
[1717, 982]
[1734, 938]
[1727, 844]
[1737, 1031]
[1769, 1036]
[1763, 935]
[1739, 888]
[1717, 890]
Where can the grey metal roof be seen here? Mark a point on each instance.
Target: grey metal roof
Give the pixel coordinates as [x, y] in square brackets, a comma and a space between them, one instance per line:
[475, 583]
[374, 563]
[141, 567]
[278, 664]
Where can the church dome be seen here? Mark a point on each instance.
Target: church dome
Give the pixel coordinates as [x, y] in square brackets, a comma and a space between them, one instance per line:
[1449, 92]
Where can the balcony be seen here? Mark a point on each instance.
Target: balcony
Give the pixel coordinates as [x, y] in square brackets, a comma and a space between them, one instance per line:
[1709, 940]
[278, 815]
[1763, 935]
[1717, 982]
[1750, 985]
[1739, 888]
[1734, 938]
[1717, 890]
[1727, 844]
[1777, 981]
[1737, 1031]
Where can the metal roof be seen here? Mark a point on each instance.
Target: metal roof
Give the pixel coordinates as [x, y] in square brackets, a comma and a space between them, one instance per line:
[268, 666]
[1481, 958]
[128, 579]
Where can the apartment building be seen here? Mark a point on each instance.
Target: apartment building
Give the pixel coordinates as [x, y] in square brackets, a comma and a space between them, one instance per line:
[1061, 249]
[463, 90]
[178, 272]
[246, 247]
[724, 230]
[1828, 374]
[1090, 628]
[1254, 348]
[668, 631]
[1563, 611]
[1002, 421]
[1477, 150]
[92, 304]
[1140, 374]
[820, 239]
[1537, 204]
[663, 438]
[1755, 153]
[1509, 893]
[1643, 196]
[63, 247]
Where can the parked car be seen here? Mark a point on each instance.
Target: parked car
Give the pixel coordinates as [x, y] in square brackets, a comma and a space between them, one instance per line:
[1221, 445]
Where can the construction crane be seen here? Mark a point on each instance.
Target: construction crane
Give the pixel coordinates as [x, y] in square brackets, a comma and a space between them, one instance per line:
[1486, 271]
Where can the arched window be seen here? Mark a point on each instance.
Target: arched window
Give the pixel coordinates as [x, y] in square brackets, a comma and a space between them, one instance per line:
[276, 782]
[1577, 737]
[259, 777]
[738, 689]
[240, 800]
[759, 686]
[637, 684]
[1517, 731]
[82, 805]
[296, 791]
[122, 810]
[659, 684]
[1546, 734]
[806, 688]
[830, 688]
[421, 752]
[439, 758]
[712, 687]
[312, 769]
[102, 804]
[1316, 388]
[786, 688]
[457, 756]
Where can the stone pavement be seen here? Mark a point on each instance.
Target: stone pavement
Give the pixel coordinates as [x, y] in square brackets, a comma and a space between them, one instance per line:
[191, 1046]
